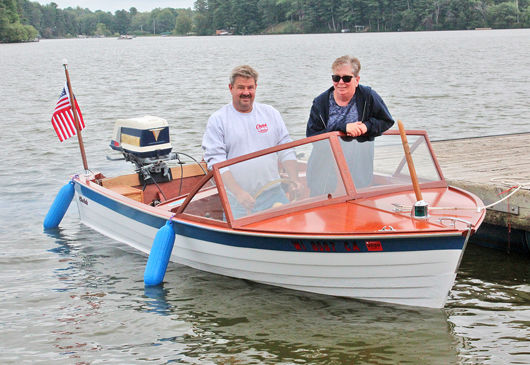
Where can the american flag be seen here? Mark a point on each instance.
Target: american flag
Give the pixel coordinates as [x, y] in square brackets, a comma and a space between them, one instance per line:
[62, 119]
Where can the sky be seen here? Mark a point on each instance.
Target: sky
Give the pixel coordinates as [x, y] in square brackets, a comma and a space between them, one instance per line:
[113, 5]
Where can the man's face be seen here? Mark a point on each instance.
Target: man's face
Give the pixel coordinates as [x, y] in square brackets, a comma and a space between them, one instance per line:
[243, 92]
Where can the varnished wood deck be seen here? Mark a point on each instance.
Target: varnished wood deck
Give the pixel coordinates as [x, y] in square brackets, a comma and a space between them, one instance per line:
[479, 164]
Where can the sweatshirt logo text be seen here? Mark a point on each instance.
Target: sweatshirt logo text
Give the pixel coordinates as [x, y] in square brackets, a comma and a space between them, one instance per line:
[262, 128]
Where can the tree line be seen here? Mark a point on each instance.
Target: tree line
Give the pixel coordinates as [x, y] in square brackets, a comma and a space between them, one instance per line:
[23, 20]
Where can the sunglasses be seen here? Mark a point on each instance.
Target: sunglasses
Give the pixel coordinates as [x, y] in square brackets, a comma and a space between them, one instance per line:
[345, 78]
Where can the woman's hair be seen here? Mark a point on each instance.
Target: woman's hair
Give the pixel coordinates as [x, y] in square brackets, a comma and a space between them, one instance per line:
[348, 60]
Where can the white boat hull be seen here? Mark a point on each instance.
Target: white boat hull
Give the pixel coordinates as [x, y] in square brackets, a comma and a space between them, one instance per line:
[416, 277]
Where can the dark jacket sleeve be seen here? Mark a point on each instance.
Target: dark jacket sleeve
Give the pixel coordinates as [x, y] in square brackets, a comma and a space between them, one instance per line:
[315, 124]
[377, 118]
[319, 114]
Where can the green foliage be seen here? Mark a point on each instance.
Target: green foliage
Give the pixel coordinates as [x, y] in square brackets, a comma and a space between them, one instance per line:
[201, 24]
[504, 15]
[164, 20]
[525, 18]
[141, 23]
[184, 23]
[122, 21]
[16, 32]
[287, 27]
[22, 20]
[244, 17]
[102, 30]
[11, 29]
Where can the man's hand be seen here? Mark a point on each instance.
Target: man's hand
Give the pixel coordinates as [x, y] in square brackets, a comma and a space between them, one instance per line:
[356, 129]
[295, 190]
[245, 199]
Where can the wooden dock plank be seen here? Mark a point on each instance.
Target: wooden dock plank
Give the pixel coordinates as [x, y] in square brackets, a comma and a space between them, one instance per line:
[479, 164]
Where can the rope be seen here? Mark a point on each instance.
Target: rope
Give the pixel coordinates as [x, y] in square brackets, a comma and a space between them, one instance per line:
[512, 184]
[503, 199]
[510, 181]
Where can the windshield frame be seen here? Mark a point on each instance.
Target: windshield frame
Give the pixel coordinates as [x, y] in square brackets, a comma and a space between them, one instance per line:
[351, 193]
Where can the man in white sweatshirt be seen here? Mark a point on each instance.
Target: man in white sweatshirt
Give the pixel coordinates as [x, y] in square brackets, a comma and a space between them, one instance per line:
[244, 126]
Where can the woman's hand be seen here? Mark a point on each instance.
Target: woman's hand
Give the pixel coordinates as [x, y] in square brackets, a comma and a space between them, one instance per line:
[356, 129]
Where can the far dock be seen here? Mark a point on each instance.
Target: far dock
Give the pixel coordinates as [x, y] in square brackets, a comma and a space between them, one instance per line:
[487, 167]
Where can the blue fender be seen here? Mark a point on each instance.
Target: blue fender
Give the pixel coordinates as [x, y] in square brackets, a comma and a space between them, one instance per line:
[156, 266]
[59, 206]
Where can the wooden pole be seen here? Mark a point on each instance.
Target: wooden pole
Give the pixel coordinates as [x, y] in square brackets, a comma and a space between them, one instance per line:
[410, 163]
[76, 119]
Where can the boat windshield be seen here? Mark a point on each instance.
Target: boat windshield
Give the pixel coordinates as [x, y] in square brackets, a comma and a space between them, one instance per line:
[312, 172]
[382, 163]
[281, 179]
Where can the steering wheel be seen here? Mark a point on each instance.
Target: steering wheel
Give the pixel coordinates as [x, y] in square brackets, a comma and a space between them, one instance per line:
[272, 183]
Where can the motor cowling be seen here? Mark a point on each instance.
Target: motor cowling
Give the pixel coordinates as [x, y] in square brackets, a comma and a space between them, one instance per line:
[145, 141]
[146, 138]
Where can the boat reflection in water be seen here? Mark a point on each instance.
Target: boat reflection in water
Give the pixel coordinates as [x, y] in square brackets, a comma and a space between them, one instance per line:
[246, 322]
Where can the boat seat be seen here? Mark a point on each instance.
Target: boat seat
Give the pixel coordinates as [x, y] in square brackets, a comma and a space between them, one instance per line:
[129, 192]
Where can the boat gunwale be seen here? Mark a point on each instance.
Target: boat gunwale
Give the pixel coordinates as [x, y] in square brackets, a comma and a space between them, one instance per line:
[191, 220]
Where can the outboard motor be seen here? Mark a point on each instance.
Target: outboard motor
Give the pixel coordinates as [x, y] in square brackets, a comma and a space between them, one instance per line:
[145, 142]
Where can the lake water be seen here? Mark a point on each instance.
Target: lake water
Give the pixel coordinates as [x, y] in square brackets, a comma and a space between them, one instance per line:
[75, 296]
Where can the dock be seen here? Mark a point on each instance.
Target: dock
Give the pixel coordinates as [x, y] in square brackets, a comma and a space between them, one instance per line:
[490, 167]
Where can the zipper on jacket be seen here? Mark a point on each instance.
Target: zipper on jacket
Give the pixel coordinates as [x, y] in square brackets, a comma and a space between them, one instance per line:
[322, 119]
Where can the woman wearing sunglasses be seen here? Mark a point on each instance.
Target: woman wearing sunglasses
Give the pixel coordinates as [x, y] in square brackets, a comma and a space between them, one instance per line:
[354, 109]
[347, 106]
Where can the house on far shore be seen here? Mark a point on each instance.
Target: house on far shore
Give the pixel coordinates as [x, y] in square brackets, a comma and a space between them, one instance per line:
[358, 28]
[223, 32]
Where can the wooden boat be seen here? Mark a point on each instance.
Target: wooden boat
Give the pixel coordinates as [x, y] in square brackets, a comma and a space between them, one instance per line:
[350, 227]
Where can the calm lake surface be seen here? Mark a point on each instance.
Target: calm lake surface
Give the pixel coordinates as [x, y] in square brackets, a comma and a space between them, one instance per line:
[75, 296]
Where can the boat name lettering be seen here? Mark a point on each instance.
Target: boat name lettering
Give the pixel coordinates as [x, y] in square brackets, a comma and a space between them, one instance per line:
[298, 245]
[323, 246]
[374, 246]
[319, 246]
[83, 200]
[351, 246]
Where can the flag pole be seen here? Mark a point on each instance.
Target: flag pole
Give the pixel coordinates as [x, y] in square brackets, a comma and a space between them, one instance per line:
[76, 119]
